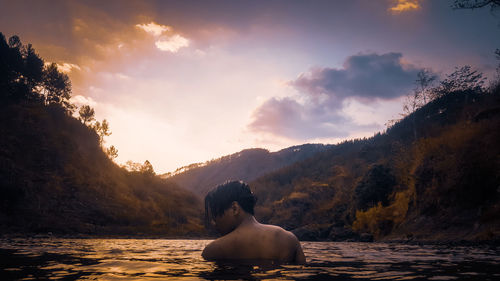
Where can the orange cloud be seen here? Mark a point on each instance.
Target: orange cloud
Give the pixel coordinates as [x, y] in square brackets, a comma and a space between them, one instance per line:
[166, 43]
[172, 44]
[153, 28]
[404, 6]
[67, 67]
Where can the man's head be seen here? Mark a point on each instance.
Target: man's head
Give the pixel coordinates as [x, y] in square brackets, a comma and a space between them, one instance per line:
[224, 204]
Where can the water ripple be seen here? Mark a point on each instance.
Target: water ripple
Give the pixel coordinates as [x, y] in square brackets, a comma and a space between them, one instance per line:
[151, 259]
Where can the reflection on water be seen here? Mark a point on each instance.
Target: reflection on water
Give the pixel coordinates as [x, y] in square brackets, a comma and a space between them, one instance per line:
[154, 259]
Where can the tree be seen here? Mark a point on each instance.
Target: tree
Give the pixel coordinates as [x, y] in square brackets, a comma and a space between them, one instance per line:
[102, 129]
[21, 70]
[147, 168]
[425, 79]
[419, 97]
[422, 92]
[462, 79]
[87, 114]
[132, 166]
[15, 42]
[497, 53]
[33, 68]
[112, 152]
[475, 4]
[494, 86]
[57, 87]
[376, 186]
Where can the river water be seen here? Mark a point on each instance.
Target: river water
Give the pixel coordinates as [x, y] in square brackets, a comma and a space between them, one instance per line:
[159, 259]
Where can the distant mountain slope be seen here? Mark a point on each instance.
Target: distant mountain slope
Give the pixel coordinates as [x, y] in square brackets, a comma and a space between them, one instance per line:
[442, 185]
[245, 165]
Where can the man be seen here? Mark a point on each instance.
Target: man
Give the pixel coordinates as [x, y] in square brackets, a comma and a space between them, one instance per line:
[231, 207]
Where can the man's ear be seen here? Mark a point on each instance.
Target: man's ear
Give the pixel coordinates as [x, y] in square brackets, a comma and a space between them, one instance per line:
[235, 208]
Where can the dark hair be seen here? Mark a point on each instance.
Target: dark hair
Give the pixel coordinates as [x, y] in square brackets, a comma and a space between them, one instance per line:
[220, 198]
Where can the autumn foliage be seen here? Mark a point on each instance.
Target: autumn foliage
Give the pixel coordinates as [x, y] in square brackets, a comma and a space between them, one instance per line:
[441, 185]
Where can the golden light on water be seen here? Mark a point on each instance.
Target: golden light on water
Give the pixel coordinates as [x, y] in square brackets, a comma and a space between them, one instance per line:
[150, 259]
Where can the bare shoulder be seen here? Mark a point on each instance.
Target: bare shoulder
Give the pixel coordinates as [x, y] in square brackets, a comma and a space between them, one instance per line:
[283, 234]
[294, 244]
[288, 241]
[215, 249]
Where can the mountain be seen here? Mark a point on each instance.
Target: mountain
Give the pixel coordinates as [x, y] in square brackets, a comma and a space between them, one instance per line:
[433, 175]
[245, 165]
[54, 174]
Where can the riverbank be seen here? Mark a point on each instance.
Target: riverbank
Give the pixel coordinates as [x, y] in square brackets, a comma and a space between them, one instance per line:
[354, 239]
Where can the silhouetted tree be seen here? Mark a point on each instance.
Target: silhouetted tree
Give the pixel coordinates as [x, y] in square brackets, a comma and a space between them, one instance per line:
[475, 4]
[24, 77]
[33, 68]
[4, 50]
[57, 87]
[87, 114]
[9, 68]
[462, 79]
[15, 42]
[425, 79]
[21, 70]
[102, 129]
[418, 97]
[497, 53]
[147, 168]
[132, 166]
[112, 152]
[495, 85]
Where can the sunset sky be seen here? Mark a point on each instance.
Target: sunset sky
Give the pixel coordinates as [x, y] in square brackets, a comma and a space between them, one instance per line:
[187, 81]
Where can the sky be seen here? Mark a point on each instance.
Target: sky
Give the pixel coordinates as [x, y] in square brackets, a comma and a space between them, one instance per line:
[183, 82]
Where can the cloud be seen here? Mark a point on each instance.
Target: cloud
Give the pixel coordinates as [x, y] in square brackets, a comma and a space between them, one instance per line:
[172, 43]
[67, 67]
[289, 118]
[404, 6]
[80, 100]
[364, 76]
[319, 109]
[153, 28]
[168, 43]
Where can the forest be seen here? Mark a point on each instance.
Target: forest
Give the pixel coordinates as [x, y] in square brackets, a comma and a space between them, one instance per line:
[432, 175]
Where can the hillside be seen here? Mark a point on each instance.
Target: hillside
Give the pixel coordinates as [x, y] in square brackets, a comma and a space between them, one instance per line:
[55, 176]
[245, 165]
[433, 175]
[442, 185]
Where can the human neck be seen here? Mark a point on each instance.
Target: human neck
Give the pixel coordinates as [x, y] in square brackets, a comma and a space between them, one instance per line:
[247, 220]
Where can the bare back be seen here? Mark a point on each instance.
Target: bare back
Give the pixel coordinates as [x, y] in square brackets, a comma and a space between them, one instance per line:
[256, 241]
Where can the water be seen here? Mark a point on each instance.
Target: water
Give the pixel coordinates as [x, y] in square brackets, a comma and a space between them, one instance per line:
[159, 259]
